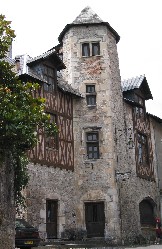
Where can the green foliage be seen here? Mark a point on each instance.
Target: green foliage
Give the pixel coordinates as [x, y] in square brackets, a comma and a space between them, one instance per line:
[6, 36]
[21, 114]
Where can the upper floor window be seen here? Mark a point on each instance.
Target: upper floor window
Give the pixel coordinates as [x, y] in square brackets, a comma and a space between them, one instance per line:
[91, 95]
[142, 149]
[50, 76]
[139, 112]
[139, 100]
[90, 49]
[52, 141]
[92, 145]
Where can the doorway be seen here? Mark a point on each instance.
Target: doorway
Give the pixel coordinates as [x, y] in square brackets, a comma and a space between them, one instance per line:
[51, 218]
[95, 219]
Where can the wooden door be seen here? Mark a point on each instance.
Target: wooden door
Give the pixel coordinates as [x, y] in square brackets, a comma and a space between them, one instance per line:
[95, 219]
[51, 218]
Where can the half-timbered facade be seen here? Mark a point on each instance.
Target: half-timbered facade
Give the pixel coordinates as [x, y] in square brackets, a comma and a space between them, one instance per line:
[98, 176]
[50, 152]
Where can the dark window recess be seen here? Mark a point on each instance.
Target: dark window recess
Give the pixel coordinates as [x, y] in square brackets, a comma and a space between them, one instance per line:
[90, 95]
[95, 49]
[142, 149]
[92, 145]
[51, 218]
[91, 100]
[85, 49]
[146, 213]
[50, 77]
[90, 49]
[139, 100]
[139, 112]
[52, 141]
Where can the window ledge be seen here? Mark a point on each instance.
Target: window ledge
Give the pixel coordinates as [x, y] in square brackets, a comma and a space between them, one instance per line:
[91, 106]
[91, 56]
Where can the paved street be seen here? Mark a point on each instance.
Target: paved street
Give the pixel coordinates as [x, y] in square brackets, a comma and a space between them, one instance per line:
[75, 246]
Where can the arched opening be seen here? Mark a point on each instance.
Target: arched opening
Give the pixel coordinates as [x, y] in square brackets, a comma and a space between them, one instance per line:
[147, 215]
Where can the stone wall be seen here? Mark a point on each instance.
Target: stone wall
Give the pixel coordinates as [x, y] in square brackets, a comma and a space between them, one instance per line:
[134, 189]
[156, 129]
[50, 183]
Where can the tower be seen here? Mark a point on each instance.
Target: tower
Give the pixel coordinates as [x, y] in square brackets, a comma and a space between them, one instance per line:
[91, 59]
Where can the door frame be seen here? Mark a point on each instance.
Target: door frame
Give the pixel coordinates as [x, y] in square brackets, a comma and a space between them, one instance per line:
[54, 201]
[95, 202]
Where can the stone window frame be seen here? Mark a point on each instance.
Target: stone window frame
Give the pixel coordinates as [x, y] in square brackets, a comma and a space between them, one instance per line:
[88, 130]
[91, 94]
[89, 49]
[90, 42]
[92, 144]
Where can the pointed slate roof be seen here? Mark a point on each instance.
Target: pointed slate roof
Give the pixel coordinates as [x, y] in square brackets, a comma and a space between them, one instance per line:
[139, 82]
[87, 16]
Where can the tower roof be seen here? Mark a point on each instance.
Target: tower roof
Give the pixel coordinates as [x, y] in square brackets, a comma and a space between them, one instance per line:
[87, 16]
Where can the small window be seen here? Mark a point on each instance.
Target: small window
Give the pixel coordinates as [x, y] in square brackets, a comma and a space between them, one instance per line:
[50, 77]
[142, 149]
[85, 49]
[91, 95]
[92, 145]
[52, 141]
[139, 112]
[90, 49]
[95, 48]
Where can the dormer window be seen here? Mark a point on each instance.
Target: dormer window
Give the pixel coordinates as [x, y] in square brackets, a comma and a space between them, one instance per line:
[90, 49]
[50, 77]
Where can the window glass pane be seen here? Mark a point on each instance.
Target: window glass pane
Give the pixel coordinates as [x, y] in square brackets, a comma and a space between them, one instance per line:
[95, 155]
[90, 149]
[94, 136]
[95, 149]
[95, 49]
[85, 49]
[91, 100]
[90, 88]
[90, 155]
[89, 137]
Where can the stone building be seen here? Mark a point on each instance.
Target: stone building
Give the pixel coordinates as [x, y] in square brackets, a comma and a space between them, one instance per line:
[99, 176]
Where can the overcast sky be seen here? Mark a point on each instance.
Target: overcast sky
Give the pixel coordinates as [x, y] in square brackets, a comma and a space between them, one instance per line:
[38, 23]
